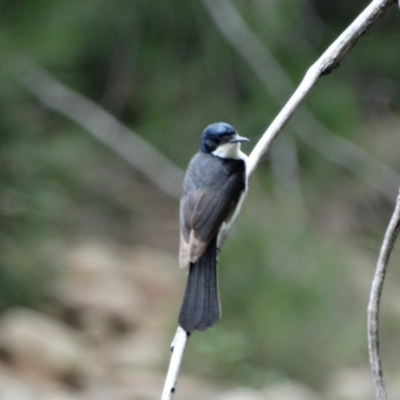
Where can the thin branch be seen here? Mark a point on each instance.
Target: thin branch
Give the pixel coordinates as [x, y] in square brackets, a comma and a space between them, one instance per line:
[101, 125]
[375, 298]
[348, 155]
[234, 29]
[276, 81]
[177, 348]
[329, 60]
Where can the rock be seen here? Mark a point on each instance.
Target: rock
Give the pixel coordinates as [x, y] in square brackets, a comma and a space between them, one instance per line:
[241, 394]
[145, 348]
[290, 391]
[12, 388]
[39, 346]
[351, 384]
[141, 384]
[161, 282]
[286, 390]
[94, 293]
[107, 288]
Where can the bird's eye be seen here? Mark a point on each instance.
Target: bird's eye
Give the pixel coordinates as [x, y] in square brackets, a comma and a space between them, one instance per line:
[217, 140]
[221, 139]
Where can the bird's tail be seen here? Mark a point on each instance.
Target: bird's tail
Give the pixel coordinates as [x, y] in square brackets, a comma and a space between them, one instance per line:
[200, 308]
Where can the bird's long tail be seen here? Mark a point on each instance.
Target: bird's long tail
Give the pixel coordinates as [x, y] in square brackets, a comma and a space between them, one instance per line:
[200, 308]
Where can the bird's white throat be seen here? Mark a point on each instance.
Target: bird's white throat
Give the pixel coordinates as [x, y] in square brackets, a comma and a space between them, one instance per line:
[229, 150]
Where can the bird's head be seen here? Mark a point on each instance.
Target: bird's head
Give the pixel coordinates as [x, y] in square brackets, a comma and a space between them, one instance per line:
[221, 139]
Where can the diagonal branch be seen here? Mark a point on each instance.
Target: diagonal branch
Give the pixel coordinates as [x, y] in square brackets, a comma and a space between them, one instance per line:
[339, 150]
[101, 125]
[329, 60]
[177, 348]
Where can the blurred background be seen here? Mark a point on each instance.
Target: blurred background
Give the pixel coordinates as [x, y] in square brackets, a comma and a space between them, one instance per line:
[102, 106]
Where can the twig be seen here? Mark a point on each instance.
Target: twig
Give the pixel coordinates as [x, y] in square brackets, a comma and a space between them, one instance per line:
[329, 60]
[234, 29]
[375, 298]
[378, 175]
[101, 125]
[177, 348]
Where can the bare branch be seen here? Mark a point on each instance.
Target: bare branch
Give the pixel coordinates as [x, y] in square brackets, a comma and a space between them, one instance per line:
[375, 298]
[339, 150]
[177, 348]
[329, 60]
[101, 125]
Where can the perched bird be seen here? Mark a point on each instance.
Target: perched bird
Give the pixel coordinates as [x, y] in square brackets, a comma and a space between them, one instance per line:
[213, 190]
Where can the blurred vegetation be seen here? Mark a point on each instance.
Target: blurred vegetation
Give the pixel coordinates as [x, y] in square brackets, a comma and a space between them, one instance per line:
[295, 272]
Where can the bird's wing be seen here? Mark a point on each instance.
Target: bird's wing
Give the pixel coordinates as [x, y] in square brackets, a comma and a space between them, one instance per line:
[202, 212]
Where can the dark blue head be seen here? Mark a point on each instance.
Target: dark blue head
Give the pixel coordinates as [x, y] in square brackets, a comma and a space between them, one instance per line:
[218, 134]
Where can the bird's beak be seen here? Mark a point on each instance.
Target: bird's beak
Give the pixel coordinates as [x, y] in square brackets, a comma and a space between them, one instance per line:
[238, 138]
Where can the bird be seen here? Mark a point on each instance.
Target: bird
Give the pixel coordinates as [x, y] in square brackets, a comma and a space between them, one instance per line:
[213, 190]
